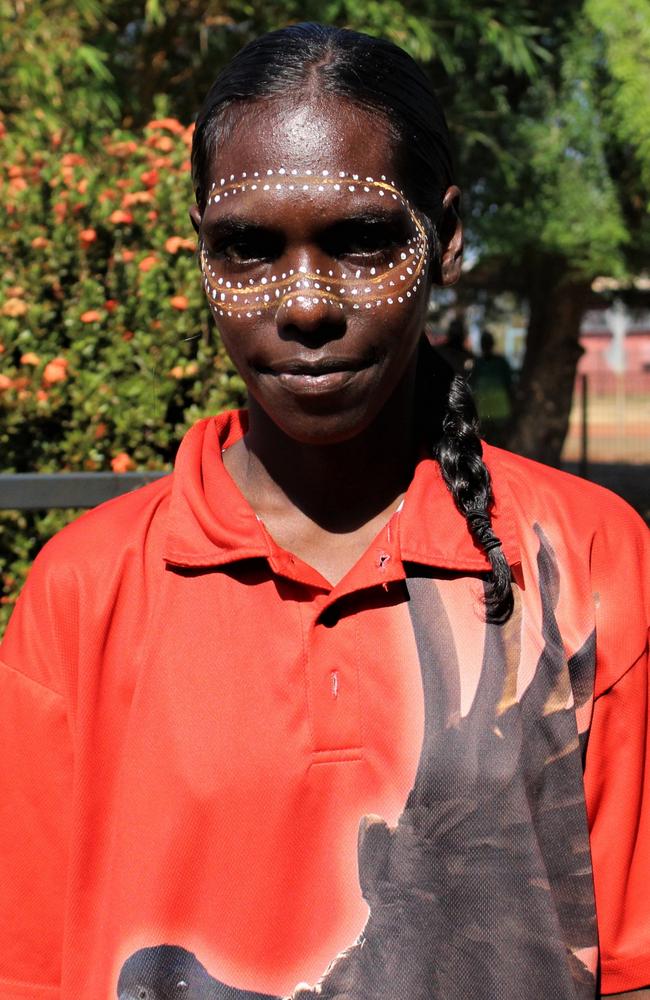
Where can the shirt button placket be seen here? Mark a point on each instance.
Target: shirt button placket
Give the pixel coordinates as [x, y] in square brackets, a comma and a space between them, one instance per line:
[333, 677]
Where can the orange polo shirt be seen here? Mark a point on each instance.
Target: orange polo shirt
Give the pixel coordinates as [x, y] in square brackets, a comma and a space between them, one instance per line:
[194, 723]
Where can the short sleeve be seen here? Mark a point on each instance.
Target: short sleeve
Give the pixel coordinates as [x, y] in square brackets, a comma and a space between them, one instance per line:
[36, 769]
[617, 772]
[35, 791]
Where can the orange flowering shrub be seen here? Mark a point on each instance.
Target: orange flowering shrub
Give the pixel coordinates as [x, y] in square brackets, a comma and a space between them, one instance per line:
[108, 349]
[122, 462]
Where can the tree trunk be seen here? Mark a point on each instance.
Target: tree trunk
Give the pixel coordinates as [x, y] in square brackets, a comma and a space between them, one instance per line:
[545, 389]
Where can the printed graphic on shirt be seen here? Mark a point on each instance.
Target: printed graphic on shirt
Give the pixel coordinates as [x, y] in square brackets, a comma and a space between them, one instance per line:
[484, 887]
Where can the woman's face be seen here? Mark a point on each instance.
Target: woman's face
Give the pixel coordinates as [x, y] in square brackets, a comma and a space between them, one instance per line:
[315, 266]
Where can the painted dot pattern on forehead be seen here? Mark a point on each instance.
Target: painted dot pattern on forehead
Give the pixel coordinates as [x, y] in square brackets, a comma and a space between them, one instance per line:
[341, 287]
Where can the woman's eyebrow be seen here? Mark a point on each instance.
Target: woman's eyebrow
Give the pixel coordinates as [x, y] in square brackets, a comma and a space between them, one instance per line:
[234, 224]
[376, 216]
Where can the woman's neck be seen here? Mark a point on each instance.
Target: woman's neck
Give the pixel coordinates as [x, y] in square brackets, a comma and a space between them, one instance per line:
[339, 487]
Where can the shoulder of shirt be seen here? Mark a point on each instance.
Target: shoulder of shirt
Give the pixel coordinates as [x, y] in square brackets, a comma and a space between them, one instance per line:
[105, 533]
[540, 492]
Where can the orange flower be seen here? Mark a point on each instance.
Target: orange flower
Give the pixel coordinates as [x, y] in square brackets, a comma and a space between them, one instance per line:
[176, 243]
[56, 370]
[82, 186]
[39, 242]
[171, 124]
[150, 178]
[179, 302]
[118, 217]
[127, 255]
[177, 371]
[14, 307]
[17, 184]
[136, 198]
[161, 162]
[161, 142]
[122, 149]
[60, 208]
[128, 335]
[42, 395]
[15, 171]
[55, 139]
[72, 160]
[90, 316]
[122, 462]
[148, 262]
[106, 195]
[30, 359]
[3, 130]
[87, 236]
[100, 431]
[110, 305]
[5, 382]
[16, 290]
[152, 215]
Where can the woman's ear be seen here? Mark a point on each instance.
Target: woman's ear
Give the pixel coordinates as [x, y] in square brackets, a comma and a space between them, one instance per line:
[450, 234]
[195, 217]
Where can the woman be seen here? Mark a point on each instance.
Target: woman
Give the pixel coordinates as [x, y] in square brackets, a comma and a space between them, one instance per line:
[334, 621]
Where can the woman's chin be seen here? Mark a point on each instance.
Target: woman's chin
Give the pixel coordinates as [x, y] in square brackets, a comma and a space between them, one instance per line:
[318, 410]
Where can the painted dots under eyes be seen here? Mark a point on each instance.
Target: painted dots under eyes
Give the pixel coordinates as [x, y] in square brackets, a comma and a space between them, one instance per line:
[282, 288]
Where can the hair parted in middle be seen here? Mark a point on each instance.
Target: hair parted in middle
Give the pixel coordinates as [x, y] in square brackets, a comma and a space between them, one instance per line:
[308, 60]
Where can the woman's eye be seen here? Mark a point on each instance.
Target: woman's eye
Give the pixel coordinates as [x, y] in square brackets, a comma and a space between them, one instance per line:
[245, 248]
[354, 240]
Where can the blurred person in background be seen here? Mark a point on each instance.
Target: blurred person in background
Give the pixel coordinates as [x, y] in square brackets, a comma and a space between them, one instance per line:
[491, 384]
[454, 348]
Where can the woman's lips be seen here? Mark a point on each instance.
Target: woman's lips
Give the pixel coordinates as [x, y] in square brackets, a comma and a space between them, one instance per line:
[326, 376]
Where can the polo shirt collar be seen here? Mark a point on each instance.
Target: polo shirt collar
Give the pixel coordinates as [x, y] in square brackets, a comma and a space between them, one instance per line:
[211, 523]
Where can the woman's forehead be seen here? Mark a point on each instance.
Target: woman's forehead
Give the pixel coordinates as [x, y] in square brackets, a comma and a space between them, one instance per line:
[310, 135]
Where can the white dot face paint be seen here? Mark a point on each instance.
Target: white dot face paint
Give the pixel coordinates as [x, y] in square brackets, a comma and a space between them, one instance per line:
[365, 286]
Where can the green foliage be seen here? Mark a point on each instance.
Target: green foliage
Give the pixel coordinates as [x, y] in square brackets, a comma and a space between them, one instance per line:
[50, 77]
[561, 198]
[106, 348]
[625, 29]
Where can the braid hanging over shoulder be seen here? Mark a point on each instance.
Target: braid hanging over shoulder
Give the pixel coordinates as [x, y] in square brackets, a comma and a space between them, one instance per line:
[460, 455]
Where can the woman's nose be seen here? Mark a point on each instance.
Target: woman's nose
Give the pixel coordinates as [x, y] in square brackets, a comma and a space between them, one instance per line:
[311, 304]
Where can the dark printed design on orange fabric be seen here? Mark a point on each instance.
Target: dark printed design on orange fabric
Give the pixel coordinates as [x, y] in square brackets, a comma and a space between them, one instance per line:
[484, 887]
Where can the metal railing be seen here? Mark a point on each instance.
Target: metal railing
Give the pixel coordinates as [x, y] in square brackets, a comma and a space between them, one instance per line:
[58, 490]
[610, 420]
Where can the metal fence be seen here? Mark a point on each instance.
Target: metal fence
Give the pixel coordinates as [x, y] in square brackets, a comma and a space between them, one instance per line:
[610, 420]
[46, 491]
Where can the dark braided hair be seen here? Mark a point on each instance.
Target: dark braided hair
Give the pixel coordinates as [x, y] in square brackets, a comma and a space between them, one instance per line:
[382, 78]
[453, 425]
